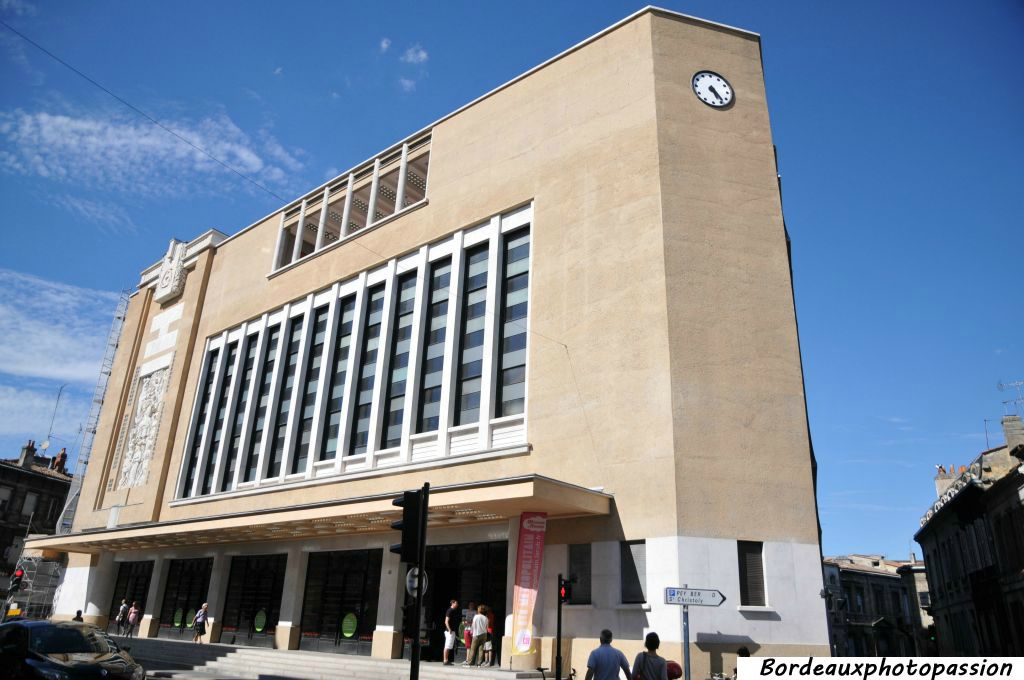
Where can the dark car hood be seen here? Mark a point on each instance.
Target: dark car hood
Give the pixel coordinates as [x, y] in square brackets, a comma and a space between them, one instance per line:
[116, 664]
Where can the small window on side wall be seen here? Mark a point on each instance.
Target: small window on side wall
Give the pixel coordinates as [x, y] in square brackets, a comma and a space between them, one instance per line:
[633, 575]
[579, 567]
[751, 565]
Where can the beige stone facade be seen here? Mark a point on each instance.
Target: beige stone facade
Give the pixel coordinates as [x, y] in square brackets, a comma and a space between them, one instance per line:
[664, 397]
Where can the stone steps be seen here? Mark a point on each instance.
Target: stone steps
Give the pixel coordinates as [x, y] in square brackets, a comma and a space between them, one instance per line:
[185, 660]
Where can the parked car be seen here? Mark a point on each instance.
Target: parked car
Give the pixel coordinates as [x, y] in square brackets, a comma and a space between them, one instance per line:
[63, 650]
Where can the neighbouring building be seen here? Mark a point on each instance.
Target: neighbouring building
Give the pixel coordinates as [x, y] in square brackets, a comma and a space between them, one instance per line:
[871, 612]
[545, 302]
[973, 542]
[32, 494]
[915, 581]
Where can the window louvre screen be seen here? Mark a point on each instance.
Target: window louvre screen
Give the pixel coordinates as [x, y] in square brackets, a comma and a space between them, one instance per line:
[633, 556]
[579, 566]
[751, 573]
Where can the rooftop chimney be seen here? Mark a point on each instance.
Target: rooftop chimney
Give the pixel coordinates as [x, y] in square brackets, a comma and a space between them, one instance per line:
[943, 479]
[1013, 429]
[28, 454]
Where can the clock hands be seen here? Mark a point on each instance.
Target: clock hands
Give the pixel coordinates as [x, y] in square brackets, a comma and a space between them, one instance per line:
[715, 92]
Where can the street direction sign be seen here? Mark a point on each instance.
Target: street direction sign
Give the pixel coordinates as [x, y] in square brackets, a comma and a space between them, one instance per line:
[699, 597]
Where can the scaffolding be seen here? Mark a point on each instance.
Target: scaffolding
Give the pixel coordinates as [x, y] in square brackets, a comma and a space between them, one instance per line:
[67, 516]
[39, 587]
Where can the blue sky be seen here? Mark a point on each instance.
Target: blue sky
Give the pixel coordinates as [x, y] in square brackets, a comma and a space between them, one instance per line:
[900, 146]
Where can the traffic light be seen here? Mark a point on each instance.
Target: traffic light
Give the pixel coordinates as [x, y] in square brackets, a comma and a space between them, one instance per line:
[411, 503]
[16, 577]
[565, 588]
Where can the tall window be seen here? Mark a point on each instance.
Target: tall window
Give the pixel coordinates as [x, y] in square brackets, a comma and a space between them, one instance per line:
[401, 338]
[514, 295]
[335, 399]
[579, 568]
[218, 419]
[284, 400]
[633, 574]
[367, 371]
[751, 566]
[197, 440]
[316, 352]
[5, 498]
[28, 506]
[236, 425]
[269, 359]
[474, 307]
[433, 347]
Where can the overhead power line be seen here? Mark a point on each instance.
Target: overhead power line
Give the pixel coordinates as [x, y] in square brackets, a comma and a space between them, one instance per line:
[139, 111]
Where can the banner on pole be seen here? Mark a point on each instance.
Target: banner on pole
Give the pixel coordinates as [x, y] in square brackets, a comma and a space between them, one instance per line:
[529, 559]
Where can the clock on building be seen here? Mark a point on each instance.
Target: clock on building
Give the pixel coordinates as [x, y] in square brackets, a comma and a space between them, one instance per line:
[712, 89]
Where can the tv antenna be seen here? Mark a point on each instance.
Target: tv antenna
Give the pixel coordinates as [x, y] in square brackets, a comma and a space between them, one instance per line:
[1018, 385]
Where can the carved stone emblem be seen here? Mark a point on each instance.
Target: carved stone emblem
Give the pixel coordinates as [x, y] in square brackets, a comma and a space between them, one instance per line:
[171, 280]
[149, 406]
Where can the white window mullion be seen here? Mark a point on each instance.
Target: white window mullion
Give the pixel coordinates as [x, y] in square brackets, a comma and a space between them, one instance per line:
[355, 352]
[323, 383]
[381, 376]
[211, 407]
[373, 193]
[280, 244]
[181, 492]
[403, 169]
[229, 410]
[492, 319]
[420, 312]
[270, 419]
[323, 220]
[250, 402]
[346, 212]
[298, 387]
[299, 227]
[453, 334]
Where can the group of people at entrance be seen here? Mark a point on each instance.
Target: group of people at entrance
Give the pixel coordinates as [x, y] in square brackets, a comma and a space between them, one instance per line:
[477, 634]
[128, 618]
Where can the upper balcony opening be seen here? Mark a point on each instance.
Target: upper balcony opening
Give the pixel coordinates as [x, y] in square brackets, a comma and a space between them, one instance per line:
[364, 197]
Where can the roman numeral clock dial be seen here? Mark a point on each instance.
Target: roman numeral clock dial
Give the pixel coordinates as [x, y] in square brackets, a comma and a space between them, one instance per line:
[712, 89]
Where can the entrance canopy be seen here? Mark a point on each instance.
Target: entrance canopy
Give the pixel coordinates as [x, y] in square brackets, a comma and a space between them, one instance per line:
[485, 502]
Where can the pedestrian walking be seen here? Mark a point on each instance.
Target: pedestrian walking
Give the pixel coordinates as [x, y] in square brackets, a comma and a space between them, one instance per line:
[648, 665]
[467, 620]
[605, 661]
[452, 618]
[489, 644]
[199, 623]
[78, 616]
[134, 614]
[479, 637]
[122, 617]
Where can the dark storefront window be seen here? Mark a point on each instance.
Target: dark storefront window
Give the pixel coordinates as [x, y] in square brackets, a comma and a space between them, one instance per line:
[339, 610]
[132, 585]
[187, 584]
[253, 601]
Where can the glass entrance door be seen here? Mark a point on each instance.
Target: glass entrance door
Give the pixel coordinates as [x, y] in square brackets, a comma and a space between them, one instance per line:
[339, 609]
[132, 585]
[253, 601]
[187, 584]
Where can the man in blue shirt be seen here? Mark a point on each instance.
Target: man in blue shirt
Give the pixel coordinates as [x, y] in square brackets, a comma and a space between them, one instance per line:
[605, 661]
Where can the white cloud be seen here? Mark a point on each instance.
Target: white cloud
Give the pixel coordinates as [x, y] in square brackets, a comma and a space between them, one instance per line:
[52, 330]
[331, 173]
[137, 157]
[25, 413]
[407, 84]
[279, 70]
[18, 8]
[415, 55]
[385, 43]
[111, 218]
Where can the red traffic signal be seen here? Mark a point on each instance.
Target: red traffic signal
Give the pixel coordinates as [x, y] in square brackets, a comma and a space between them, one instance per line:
[16, 577]
[19, 573]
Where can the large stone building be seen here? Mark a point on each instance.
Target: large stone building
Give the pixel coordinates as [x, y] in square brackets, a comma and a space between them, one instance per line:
[973, 542]
[571, 296]
[32, 493]
[874, 609]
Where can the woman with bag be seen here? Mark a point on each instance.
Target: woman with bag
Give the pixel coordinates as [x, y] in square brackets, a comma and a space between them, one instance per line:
[648, 665]
[199, 623]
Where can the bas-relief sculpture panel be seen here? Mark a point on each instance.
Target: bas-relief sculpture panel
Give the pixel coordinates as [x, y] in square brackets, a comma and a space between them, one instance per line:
[145, 425]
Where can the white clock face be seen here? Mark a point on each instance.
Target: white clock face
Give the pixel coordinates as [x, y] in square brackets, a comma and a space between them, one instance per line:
[712, 89]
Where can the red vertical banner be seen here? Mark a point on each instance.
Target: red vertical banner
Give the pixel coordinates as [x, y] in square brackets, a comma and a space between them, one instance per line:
[529, 559]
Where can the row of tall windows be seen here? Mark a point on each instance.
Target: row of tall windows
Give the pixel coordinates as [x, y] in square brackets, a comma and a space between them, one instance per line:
[299, 389]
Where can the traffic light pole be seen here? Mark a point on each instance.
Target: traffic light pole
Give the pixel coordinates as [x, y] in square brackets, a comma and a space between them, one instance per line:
[558, 633]
[421, 558]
